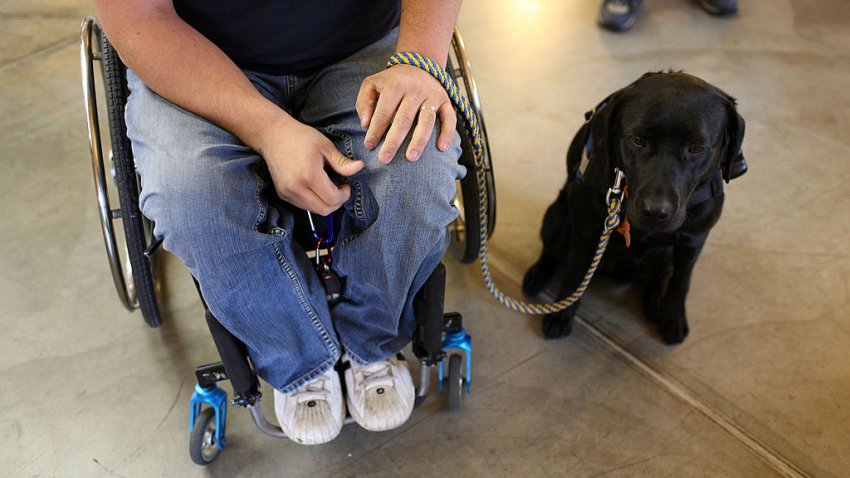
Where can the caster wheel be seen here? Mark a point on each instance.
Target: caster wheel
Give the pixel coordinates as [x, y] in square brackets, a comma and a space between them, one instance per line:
[202, 445]
[455, 382]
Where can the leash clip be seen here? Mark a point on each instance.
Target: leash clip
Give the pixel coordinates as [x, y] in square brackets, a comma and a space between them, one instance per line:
[617, 189]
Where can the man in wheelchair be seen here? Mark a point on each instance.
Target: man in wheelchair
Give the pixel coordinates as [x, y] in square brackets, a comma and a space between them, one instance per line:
[233, 102]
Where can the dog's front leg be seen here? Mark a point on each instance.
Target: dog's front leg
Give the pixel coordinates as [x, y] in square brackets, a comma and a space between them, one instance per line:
[581, 253]
[671, 320]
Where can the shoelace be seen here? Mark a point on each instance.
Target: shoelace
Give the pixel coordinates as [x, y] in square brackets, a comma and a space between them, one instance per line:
[315, 390]
[374, 375]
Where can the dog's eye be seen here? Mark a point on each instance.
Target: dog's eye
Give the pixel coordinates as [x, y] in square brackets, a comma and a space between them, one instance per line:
[696, 149]
[638, 141]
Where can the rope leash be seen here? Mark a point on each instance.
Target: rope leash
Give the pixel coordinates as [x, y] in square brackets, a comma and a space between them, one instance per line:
[614, 198]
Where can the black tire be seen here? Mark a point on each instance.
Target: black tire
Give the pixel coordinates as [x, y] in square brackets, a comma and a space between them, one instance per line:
[455, 382]
[464, 231]
[202, 445]
[115, 81]
[464, 246]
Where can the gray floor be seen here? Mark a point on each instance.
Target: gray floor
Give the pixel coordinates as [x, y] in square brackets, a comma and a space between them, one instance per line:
[760, 388]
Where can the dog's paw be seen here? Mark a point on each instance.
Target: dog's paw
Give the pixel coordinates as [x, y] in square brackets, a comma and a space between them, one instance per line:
[673, 331]
[537, 277]
[559, 324]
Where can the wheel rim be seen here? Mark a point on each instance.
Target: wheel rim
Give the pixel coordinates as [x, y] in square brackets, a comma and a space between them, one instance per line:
[461, 72]
[209, 447]
[89, 37]
[116, 250]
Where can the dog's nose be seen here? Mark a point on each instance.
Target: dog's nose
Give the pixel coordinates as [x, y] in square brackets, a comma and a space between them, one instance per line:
[657, 210]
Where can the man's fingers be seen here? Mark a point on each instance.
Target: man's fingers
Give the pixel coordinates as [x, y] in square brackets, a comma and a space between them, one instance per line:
[367, 98]
[385, 110]
[448, 120]
[401, 125]
[341, 163]
[303, 197]
[422, 133]
[331, 194]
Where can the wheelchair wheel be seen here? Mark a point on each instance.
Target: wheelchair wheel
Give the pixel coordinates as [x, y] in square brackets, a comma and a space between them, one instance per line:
[465, 230]
[455, 382]
[135, 231]
[202, 445]
[132, 271]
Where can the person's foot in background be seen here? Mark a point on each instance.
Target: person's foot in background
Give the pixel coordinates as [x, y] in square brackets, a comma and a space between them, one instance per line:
[719, 7]
[620, 15]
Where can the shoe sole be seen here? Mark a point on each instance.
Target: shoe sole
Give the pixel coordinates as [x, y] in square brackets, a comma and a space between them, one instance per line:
[617, 28]
[308, 441]
[716, 11]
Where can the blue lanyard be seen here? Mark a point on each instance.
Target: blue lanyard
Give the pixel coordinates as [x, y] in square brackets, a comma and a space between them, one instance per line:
[330, 224]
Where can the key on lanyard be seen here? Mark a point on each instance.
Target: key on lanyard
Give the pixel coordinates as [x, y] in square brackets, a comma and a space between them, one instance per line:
[329, 279]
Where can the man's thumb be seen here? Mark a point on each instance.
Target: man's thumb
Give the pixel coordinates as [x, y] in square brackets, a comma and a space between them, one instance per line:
[342, 164]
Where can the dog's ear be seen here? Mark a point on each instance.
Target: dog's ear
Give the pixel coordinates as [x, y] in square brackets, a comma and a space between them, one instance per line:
[733, 163]
[604, 137]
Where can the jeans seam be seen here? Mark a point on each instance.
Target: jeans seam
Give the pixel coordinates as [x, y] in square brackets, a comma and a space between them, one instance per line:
[346, 140]
[349, 152]
[261, 205]
[356, 358]
[358, 203]
[302, 299]
[309, 376]
[349, 239]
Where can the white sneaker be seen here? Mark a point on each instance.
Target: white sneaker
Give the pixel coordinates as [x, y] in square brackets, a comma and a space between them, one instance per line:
[379, 395]
[314, 413]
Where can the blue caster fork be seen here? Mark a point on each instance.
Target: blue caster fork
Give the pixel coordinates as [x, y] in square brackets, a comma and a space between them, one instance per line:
[455, 338]
[208, 415]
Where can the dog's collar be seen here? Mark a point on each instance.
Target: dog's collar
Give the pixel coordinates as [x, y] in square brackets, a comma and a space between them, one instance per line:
[707, 190]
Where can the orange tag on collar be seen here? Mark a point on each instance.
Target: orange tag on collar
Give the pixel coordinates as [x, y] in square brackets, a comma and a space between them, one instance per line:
[626, 230]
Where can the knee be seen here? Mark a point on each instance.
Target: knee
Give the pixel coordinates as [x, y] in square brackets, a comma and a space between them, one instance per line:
[423, 189]
[197, 180]
[201, 198]
[177, 199]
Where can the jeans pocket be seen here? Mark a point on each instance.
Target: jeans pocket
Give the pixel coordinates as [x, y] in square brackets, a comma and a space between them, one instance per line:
[361, 209]
[270, 220]
[359, 212]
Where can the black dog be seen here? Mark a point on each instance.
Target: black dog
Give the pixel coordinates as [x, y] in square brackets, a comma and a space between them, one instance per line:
[676, 138]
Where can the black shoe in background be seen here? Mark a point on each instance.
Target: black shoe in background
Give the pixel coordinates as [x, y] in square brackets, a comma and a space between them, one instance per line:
[719, 7]
[618, 15]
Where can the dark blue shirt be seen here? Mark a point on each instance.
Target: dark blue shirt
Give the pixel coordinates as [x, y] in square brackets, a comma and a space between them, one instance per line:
[290, 36]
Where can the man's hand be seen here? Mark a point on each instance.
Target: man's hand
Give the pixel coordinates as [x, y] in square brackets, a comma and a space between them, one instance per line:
[296, 155]
[393, 101]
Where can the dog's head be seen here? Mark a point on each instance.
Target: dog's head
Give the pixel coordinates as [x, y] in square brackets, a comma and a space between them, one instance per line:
[668, 132]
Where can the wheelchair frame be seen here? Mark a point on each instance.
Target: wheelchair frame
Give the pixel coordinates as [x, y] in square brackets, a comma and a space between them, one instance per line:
[136, 281]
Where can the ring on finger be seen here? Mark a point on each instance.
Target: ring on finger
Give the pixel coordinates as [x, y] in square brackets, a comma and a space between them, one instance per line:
[428, 107]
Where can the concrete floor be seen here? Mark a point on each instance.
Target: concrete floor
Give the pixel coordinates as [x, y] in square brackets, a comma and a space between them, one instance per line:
[760, 388]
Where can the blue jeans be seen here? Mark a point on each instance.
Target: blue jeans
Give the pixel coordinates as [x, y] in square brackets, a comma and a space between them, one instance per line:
[204, 189]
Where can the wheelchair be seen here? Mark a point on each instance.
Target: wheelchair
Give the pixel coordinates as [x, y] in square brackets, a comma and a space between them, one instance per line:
[132, 255]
